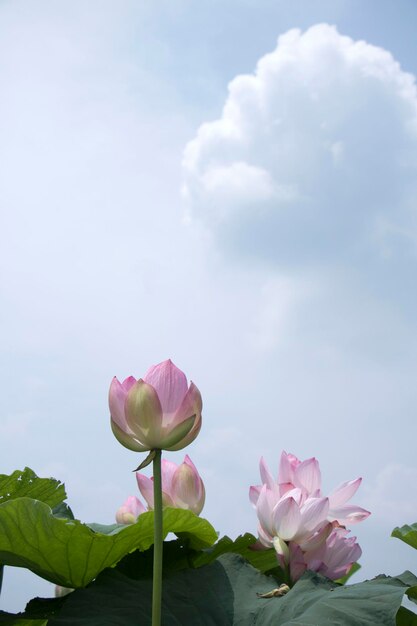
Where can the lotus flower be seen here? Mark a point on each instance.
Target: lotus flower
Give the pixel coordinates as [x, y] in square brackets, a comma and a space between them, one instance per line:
[157, 412]
[182, 486]
[130, 510]
[306, 529]
[329, 552]
[291, 518]
[306, 476]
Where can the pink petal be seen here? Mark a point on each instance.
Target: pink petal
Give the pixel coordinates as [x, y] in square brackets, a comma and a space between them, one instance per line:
[264, 537]
[297, 563]
[128, 439]
[266, 477]
[307, 475]
[117, 397]
[144, 414]
[191, 405]
[264, 509]
[313, 513]
[286, 518]
[344, 492]
[284, 488]
[119, 424]
[145, 485]
[170, 383]
[168, 470]
[254, 492]
[348, 514]
[188, 489]
[130, 510]
[317, 540]
[134, 505]
[294, 493]
[189, 462]
[128, 383]
[287, 465]
[343, 553]
[173, 437]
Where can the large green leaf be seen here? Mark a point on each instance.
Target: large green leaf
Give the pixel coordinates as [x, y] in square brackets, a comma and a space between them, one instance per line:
[71, 554]
[405, 617]
[263, 560]
[406, 533]
[224, 593]
[25, 484]
[179, 555]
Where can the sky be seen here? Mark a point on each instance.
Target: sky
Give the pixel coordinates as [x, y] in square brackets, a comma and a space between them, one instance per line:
[231, 185]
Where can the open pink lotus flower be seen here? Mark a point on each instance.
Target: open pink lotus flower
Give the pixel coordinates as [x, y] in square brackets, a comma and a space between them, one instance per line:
[159, 411]
[182, 486]
[306, 476]
[290, 517]
[130, 510]
[305, 528]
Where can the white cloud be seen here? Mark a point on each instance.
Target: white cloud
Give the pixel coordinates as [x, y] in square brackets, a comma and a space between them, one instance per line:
[311, 152]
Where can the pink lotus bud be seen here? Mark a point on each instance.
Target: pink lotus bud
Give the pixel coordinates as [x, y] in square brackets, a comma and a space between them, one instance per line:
[182, 486]
[159, 411]
[187, 487]
[130, 510]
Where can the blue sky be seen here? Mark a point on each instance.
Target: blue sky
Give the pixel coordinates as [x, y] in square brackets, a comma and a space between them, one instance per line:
[175, 183]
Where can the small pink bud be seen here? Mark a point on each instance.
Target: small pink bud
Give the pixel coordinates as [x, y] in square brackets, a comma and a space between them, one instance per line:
[130, 510]
[182, 486]
[187, 487]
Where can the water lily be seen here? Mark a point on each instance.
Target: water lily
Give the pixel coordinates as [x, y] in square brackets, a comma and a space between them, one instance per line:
[182, 486]
[157, 412]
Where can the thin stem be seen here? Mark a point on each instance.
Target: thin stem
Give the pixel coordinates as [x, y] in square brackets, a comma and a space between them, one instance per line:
[158, 541]
[1, 576]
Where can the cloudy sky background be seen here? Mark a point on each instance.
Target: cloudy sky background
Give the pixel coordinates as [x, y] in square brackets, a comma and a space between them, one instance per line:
[231, 185]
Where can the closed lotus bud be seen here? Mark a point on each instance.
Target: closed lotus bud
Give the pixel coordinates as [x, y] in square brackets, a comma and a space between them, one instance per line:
[187, 487]
[157, 412]
[182, 486]
[130, 510]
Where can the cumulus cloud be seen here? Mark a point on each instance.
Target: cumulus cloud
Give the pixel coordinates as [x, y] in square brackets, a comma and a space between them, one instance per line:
[313, 157]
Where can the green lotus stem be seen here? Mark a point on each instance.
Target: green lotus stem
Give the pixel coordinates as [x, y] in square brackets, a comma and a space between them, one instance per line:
[158, 541]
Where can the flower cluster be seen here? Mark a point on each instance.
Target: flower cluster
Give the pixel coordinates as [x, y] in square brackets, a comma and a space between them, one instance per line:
[306, 529]
[182, 488]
